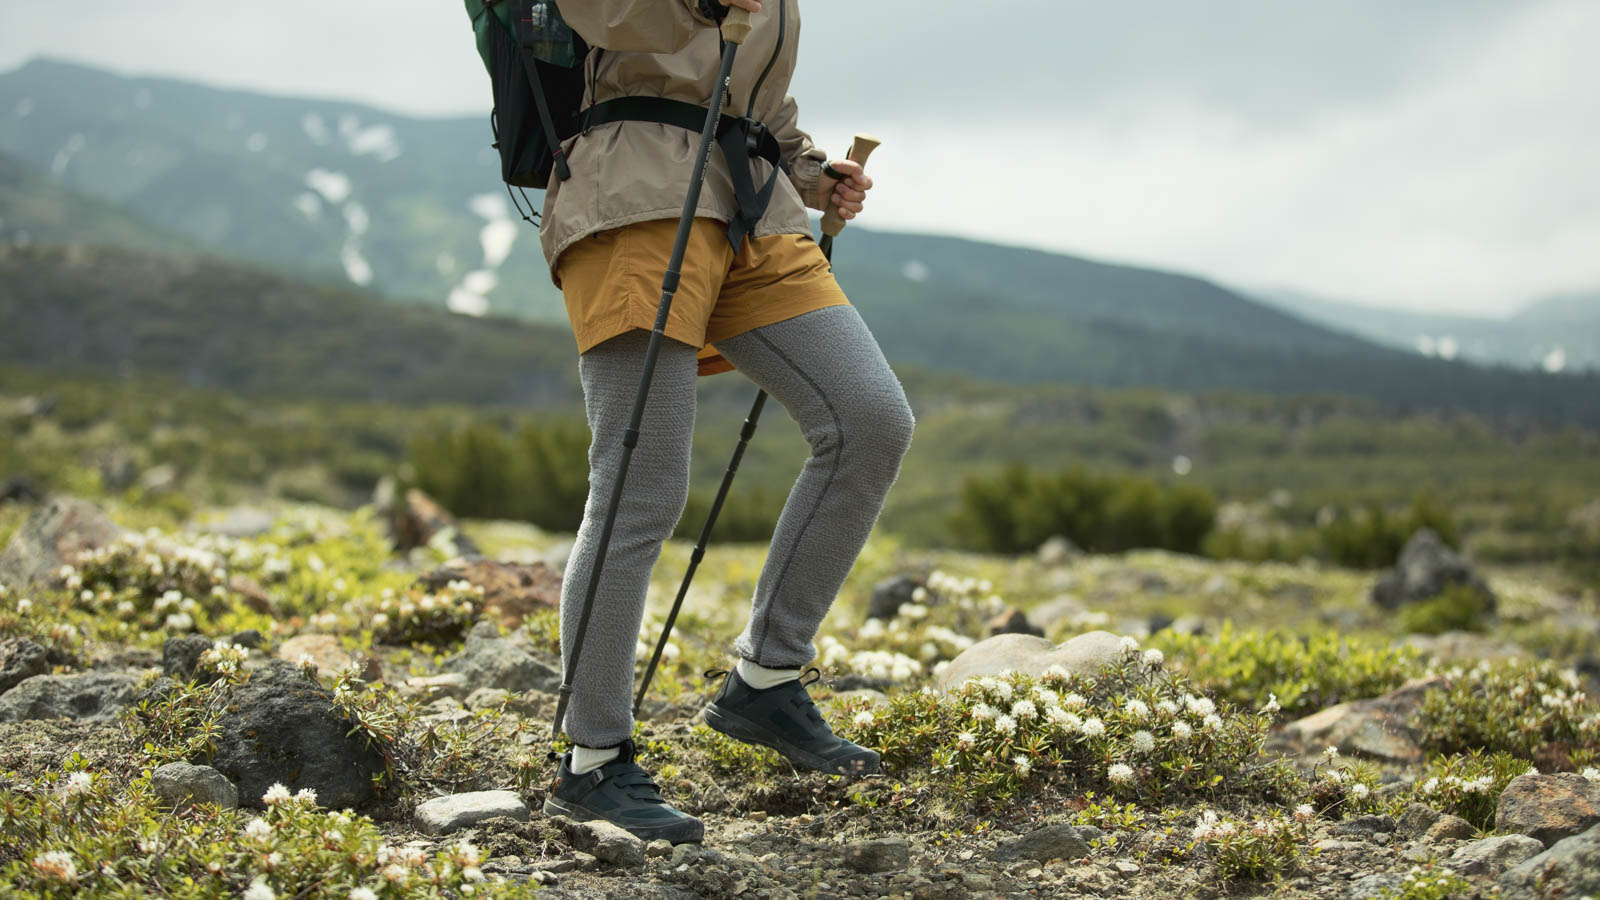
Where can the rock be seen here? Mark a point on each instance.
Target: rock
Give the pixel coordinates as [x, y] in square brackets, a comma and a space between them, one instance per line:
[1365, 825]
[449, 684]
[236, 522]
[159, 479]
[1085, 654]
[658, 848]
[511, 591]
[1371, 886]
[53, 536]
[1548, 807]
[20, 489]
[890, 594]
[1057, 550]
[414, 519]
[609, 843]
[181, 655]
[1415, 820]
[89, 697]
[488, 660]
[250, 639]
[1466, 647]
[325, 651]
[282, 727]
[255, 596]
[1063, 610]
[118, 469]
[444, 815]
[1379, 728]
[487, 698]
[1450, 828]
[1043, 845]
[21, 659]
[1569, 869]
[878, 855]
[1425, 568]
[1491, 856]
[180, 784]
[1013, 621]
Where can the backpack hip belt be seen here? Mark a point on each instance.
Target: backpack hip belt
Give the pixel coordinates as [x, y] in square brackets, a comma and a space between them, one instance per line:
[739, 139]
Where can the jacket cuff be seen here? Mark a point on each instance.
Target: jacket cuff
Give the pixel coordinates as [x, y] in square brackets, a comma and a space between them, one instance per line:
[708, 12]
[805, 171]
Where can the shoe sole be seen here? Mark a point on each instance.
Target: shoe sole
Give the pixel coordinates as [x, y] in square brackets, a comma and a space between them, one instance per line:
[740, 728]
[690, 832]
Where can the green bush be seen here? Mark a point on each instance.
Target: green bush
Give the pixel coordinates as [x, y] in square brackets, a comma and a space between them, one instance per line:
[1019, 508]
[538, 474]
[1523, 709]
[1469, 785]
[1459, 607]
[1372, 538]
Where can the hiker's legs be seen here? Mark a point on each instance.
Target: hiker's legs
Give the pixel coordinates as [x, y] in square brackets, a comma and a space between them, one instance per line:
[600, 713]
[827, 370]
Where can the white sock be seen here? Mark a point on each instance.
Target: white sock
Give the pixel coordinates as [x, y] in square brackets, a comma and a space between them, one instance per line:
[761, 677]
[587, 759]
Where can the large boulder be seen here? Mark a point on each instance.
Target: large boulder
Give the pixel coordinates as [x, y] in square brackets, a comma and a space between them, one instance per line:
[1085, 654]
[1571, 868]
[1425, 569]
[280, 726]
[489, 660]
[21, 659]
[412, 519]
[55, 533]
[1379, 728]
[88, 697]
[511, 591]
[1548, 807]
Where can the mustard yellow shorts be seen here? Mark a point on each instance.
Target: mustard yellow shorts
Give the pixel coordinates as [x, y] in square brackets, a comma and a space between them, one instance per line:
[611, 282]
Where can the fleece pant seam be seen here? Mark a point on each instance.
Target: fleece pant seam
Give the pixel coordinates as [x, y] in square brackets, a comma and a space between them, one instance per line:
[838, 426]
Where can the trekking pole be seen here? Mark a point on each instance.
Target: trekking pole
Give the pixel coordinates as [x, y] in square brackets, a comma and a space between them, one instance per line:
[832, 224]
[735, 28]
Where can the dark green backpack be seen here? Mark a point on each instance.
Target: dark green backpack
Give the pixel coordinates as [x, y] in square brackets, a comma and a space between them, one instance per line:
[535, 62]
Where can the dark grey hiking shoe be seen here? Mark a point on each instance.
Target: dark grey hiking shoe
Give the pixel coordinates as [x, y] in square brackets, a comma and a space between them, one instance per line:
[621, 793]
[785, 719]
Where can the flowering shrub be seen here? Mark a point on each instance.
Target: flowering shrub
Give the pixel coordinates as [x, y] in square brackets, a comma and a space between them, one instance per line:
[1132, 732]
[147, 587]
[414, 616]
[1469, 785]
[1519, 708]
[82, 833]
[1258, 849]
[1428, 882]
[1306, 672]
[1343, 790]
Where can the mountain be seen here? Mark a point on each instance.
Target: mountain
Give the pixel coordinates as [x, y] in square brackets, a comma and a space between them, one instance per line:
[1557, 333]
[413, 209]
[35, 209]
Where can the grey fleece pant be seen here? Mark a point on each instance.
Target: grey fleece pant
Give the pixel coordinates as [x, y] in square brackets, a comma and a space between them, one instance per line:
[827, 371]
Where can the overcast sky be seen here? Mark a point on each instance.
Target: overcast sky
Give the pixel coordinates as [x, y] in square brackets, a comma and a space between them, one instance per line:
[1437, 154]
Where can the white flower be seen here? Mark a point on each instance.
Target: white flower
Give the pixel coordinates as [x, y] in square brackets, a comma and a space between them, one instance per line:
[258, 830]
[306, 796]
[1359, 791]
[77, 783]
[864, 718]
[1120, 773]
[1206, 826]
[1130, 646]
[275, 794]
[1074, 701]
[1182, 731]
[1005, 724]
[1304, 812]
[1136, 710]
[1212, 722]
[1272, 704]
[1024, 709]
[984, 711]
[273, 860]
[1431, 786]
[56, 865]
[1199, 706]
[1022, 765]
[1093, 727]
[1331, 754]
[1592, 773]
[1046, 696]
[1153, 658]
[258, 890]
[1003, 690]
[965, 740]
[362, 893]
[1061, 717]
[1144, 741]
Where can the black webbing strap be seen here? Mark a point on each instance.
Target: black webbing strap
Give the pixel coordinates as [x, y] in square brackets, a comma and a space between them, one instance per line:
[738, 138]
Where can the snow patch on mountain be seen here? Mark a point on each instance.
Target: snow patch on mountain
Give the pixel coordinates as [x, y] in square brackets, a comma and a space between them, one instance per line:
[333, 186]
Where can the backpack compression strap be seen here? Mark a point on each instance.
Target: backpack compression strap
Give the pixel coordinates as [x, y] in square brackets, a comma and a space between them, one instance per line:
[738, 138]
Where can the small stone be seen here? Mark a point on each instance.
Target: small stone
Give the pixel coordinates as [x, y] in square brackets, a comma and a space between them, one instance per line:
[890, 594]
[1365, 825]
[488, 698]
[1013, 621]
[250, 639]
[685, 854]
[976, 881]
[658, 848]
[443, 815]
[608, 842]
[544, 877]
[489, 660]
[1450, 828]
[180, 655]
[1087, 654]
[879, 855]
[1415, 820]
[180, 784]
[324, 649]
[1057, 550]
[1124, 867]
[1549, 807]
[449, 684]
[759, 815]
[1493, 855]
[1058, 841]
[1333, 845]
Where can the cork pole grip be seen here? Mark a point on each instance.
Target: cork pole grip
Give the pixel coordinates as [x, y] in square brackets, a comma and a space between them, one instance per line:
[736, 25]
[860, 149]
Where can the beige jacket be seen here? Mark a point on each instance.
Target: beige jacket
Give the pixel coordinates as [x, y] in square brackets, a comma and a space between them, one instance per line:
[626, 172]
